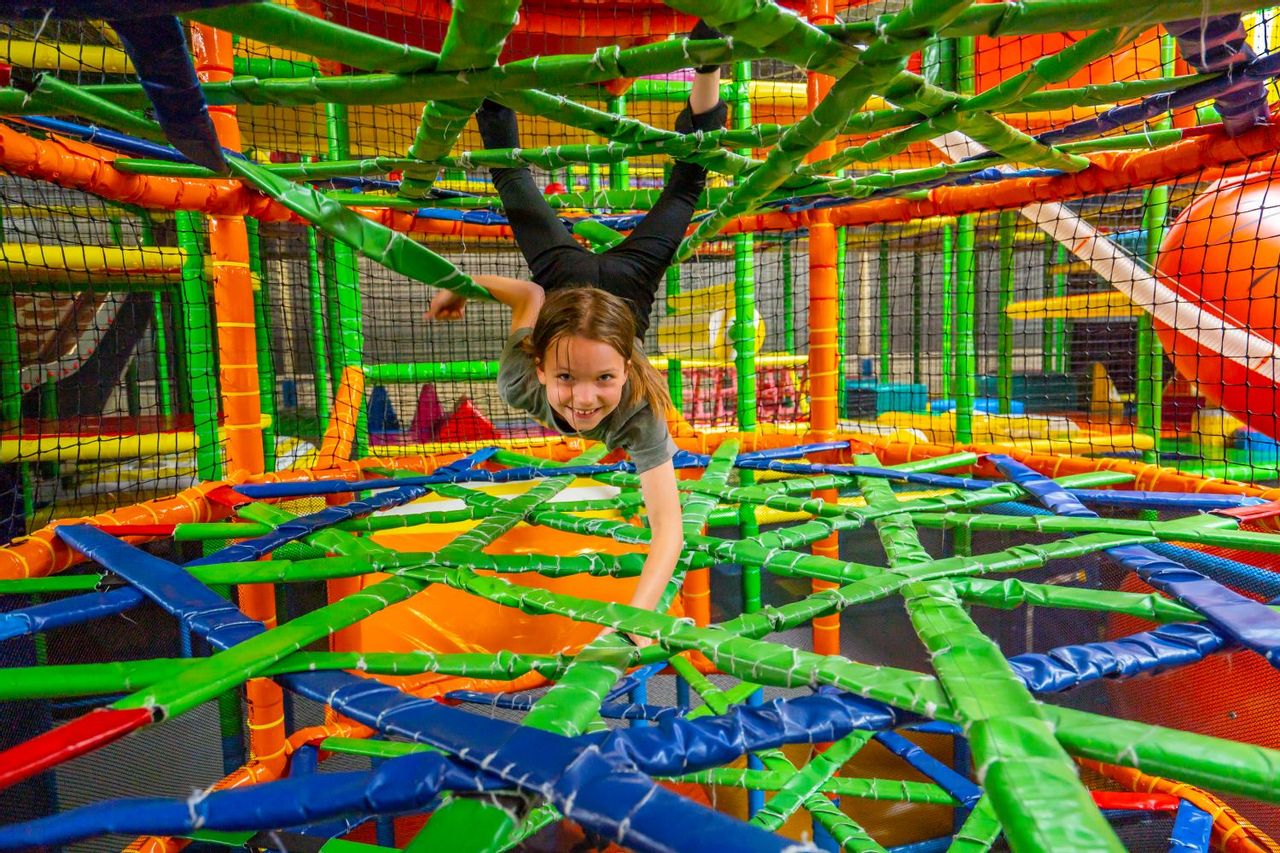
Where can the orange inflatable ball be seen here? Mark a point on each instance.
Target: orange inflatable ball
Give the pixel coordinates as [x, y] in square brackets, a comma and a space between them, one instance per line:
[555, 188]
[1223, 252]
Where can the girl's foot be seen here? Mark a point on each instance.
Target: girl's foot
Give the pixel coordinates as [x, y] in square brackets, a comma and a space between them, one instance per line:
[498, 126]
[703, 30]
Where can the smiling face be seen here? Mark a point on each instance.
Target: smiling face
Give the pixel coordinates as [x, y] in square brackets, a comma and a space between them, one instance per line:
[583, 378]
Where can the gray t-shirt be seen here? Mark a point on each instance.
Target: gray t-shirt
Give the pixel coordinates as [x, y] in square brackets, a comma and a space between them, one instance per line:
[633, 427]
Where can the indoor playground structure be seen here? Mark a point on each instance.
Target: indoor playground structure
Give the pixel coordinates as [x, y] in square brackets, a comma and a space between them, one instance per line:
[973, 349]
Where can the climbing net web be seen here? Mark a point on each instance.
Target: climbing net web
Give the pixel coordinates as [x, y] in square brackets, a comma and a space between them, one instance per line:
[1023, 777]
[1041, 649]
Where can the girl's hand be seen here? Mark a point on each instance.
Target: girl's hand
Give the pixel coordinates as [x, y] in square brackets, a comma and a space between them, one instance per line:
[634, 639]
[446, 305]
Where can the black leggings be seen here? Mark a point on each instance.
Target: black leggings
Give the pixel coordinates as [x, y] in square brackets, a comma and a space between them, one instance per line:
[633, 268]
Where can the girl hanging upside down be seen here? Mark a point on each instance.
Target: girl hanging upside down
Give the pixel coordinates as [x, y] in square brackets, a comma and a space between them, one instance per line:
[574, 357]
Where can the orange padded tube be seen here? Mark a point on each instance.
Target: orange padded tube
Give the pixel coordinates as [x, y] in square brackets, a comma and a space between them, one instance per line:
[238, 386]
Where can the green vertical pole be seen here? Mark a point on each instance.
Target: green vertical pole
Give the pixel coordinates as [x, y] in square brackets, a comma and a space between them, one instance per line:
[319, 342]
[930, 60]
[170, 338]
[329, 268]
[197, 332]
[744, 339]
[744, 335]
[842, 316]
[675, 371]
[1004, 366]
[940, 69]
[336, 139]
[1058, 336]
[620, 171]
[964, 67]
[744, 291]
[132, 393]
[957, 72]
[10, 372]
[917, 318]
[11, 394]
[1150, 353]
[337, 132]
[349, 349]
[949, 76]
[966, 343]
[164, 396]
[886, 312]
[948, 304]
[1150, 363]
[966, 351]
[263, 336]
[938, 62]
[181, 357]
[1046, 290]
[348, 312]
[788, 298]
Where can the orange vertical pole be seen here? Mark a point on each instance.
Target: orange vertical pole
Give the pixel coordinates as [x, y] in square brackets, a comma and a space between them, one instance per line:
[238, 381]
[824, 372]
[696, 595]
[232, 283]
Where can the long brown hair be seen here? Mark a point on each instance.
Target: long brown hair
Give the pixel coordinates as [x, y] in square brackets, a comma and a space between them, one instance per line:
[594, 314]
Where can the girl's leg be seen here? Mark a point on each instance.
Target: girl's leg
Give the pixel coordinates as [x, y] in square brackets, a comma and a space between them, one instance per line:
[546, 244]
[655, 239]
[634, 268]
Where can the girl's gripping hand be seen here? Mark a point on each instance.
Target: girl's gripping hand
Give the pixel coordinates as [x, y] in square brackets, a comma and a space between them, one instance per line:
[446, 305]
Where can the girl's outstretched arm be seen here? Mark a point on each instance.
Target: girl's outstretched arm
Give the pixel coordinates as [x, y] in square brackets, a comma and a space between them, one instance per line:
[524, 298]
[662, 502]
